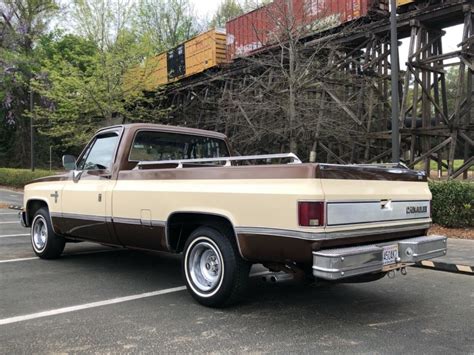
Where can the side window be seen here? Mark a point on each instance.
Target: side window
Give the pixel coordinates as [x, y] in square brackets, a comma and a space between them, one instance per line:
[153, 145]
[100, 155]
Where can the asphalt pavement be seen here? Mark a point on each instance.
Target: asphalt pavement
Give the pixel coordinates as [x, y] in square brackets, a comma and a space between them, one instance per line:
[105, 300]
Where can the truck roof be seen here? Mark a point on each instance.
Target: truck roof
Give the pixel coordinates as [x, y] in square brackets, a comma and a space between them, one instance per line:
[168, 128]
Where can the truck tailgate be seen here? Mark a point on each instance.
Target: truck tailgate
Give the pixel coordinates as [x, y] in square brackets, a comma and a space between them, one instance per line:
[379, 195]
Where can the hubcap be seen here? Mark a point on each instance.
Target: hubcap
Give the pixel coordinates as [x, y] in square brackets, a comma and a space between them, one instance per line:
[40, 233]
[205, 266]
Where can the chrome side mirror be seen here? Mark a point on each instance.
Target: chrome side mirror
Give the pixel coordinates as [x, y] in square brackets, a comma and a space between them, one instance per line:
[69, 162]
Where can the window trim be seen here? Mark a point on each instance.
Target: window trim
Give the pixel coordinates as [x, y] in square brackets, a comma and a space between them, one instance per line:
[117, 130]
[171, 132]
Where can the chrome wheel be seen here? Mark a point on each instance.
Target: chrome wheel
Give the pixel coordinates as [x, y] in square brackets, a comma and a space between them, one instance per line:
[39, 233]
[204, 266]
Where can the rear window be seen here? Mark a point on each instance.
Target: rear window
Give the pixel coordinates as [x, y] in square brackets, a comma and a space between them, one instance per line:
[153, 146]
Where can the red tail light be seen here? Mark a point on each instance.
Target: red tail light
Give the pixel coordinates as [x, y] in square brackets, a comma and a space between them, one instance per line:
[311, 214]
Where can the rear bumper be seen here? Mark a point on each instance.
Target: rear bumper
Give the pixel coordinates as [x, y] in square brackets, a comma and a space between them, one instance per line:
[335, 264]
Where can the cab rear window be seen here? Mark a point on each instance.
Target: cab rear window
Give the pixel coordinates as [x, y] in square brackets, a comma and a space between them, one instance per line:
[155, 146]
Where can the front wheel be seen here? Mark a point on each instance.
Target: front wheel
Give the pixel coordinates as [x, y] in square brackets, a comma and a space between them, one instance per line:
[46, 244]
[215, 273]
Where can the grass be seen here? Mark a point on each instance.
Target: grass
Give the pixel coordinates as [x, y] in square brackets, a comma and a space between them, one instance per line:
[21, 177]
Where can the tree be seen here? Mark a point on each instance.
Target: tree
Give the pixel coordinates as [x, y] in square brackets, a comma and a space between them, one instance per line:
[227, 10]
[163, 24]
[22, 23]
[81, 89]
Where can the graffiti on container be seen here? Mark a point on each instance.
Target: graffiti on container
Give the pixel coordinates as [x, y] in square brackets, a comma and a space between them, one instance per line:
[248, 47]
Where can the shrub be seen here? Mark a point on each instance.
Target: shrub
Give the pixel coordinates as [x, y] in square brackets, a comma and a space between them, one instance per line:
[453, 203]
[21, 177]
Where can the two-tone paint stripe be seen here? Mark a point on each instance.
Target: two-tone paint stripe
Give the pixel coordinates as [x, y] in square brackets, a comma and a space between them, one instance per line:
[448, 267]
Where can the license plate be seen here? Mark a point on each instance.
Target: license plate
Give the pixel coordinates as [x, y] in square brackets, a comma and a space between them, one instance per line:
[390, 254]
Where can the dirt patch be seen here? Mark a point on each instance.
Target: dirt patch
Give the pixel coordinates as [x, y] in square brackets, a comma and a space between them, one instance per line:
[4, 205]
[459, 233]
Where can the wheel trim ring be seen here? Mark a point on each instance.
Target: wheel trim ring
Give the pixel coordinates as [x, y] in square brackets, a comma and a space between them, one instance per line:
[38, 226]
[191, 284]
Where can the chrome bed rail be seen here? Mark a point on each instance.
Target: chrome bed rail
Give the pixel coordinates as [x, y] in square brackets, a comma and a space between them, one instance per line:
[228, 160]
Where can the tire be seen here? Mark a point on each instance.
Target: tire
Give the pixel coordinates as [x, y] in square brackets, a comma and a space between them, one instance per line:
[215, 273]
[46, 244]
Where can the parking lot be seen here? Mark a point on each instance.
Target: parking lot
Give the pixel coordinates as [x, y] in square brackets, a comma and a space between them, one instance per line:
[98, 299]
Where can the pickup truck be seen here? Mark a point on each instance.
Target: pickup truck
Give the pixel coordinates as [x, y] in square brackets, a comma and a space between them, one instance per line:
[181, 190]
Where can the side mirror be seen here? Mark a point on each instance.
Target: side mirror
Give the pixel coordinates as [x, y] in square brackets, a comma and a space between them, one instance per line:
[69, 162]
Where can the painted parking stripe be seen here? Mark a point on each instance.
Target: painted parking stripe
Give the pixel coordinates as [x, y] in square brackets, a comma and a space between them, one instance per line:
[19, 259]
[11, 222]
[72, 254]
[8, 213]
[80, 307]
[14, 235]
[449, 267]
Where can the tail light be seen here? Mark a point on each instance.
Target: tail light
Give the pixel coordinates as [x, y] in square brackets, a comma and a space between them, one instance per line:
[310, 214]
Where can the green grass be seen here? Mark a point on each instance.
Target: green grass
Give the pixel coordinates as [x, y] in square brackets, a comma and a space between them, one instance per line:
[21, 177]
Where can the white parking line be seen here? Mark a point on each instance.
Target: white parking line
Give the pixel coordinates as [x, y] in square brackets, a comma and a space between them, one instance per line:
[72, 254]
[11, 222]
[19, 259]
[8, 213]
[13, 235]
[80, 307]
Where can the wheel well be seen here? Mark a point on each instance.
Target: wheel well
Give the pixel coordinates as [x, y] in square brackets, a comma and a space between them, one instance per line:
[32, 207]
[180, 226]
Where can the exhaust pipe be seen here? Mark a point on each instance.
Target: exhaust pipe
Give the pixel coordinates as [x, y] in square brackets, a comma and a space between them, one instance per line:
[274, 278]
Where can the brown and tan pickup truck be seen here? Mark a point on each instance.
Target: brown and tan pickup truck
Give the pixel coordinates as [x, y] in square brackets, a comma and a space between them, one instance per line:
[180, 190]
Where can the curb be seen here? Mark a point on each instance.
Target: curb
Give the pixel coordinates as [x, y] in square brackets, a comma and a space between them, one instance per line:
[441, 266]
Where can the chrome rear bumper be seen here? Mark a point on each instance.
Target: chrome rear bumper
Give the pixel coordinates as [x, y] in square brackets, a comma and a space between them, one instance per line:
[335, 264]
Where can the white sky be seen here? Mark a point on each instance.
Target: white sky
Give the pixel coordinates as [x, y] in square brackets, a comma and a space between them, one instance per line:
[205, 8]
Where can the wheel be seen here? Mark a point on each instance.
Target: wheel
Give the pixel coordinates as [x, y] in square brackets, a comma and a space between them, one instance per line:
[214, 272]
[46, 244]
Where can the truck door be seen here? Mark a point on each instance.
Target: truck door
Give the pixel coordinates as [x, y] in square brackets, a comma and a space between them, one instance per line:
[86, 202]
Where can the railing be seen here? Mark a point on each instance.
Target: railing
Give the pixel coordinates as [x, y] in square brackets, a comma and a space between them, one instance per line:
[228, 160]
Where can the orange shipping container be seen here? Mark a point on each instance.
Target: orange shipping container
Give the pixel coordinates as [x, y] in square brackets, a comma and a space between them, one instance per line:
[205, 51]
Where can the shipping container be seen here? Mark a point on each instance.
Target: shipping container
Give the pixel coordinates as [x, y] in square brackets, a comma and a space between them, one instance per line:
[147, 76]
[266, 25]
[176, 62]
[205, 51]
[199, 53]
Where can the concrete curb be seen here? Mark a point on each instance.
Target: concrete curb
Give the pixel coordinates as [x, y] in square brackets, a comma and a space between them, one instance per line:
[448, 267]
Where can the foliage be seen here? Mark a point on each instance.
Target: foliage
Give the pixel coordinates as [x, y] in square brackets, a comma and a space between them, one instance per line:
[163, 24]
[22, 23]
[229, 9]
[20, 177]
[453, 203]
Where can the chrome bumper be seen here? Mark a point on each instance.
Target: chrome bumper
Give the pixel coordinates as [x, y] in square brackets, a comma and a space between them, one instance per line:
[335, 264]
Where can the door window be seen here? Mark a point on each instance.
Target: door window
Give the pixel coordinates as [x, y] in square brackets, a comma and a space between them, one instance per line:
[100, 154]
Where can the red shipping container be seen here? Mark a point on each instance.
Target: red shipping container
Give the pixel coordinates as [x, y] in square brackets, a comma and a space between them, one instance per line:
[265, 25]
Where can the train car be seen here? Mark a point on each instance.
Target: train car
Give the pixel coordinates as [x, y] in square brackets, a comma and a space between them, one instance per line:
[194, 56]
[262, 27]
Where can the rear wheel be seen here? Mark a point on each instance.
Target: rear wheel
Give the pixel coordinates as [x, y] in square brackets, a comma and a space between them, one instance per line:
[46, 244]
[215, 273]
